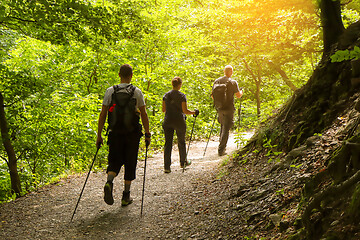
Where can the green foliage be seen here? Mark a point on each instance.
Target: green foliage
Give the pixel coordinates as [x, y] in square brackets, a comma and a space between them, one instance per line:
[345, 55]
[223, 172]
[271, 150]
[240, 138]
[62, 21]
[247, 119]
[280, 192]
[296, 166]
[270, 43]
[57, 58]
[5, 194]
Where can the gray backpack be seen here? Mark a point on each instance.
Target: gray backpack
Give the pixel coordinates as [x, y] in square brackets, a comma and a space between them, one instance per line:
[220, 93]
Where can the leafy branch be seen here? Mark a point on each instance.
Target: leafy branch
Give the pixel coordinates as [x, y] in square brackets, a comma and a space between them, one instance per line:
[345, 55]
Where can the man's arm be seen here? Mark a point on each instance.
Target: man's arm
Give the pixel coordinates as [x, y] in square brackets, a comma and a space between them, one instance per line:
[239, 91]
[185, 109]
[145, 122]
[163, 106]
[239, 94]
[101, 123]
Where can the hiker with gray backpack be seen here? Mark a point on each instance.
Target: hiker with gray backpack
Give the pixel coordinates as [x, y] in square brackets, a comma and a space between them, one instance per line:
[124, 105]
[223, 91]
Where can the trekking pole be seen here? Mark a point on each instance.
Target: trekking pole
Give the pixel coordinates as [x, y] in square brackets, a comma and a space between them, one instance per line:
[143, 190]
[239, 113]
[189, 144]
[239, 109]
[212, 127]
[92, 164]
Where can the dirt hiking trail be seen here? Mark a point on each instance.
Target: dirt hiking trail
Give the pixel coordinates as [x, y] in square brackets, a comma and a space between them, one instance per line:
[176, 205]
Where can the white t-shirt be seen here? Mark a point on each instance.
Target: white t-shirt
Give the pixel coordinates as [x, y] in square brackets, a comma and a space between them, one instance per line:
[137, 94]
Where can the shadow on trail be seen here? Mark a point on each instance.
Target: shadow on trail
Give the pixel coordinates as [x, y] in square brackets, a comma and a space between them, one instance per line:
[108, 224]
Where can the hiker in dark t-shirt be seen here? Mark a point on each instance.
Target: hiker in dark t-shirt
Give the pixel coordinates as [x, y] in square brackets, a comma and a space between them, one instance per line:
[175, 108]
[226, 113]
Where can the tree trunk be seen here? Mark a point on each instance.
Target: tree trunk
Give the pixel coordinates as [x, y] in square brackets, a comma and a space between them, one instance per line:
[12, 161]
[331, 22]
[284, 76]
[257, 81]
[258, 101]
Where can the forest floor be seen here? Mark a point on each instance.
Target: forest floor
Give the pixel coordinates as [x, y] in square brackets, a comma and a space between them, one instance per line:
[179, 205]
[215, 198]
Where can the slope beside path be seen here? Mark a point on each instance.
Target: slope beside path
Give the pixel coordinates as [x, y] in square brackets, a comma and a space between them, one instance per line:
[173, 203]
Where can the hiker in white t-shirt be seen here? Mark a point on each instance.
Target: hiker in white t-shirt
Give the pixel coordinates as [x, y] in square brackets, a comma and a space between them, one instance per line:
[123, 145]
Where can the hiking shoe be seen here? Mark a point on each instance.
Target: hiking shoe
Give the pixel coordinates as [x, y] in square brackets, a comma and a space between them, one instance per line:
[167, 170]
[188, 163]
[222, 153]
[126, 199]
[108, 196]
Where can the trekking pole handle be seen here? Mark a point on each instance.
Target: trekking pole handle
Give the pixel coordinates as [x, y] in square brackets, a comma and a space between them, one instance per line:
[147, 142]
[197, 112]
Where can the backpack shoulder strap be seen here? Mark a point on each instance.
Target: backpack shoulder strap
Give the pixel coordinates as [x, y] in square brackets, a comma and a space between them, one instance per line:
[132, 90]
[223, 80]
[128, 87]
[116, 88]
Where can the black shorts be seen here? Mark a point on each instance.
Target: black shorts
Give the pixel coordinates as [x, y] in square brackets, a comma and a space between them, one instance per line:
[123, 150]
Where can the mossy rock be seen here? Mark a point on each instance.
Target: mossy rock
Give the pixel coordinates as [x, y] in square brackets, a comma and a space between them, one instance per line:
[338, 163]
[311, 186]
[331, 237]
[299, 235]
[353, 209]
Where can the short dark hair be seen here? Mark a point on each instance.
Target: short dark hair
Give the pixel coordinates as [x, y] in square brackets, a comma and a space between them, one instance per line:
[176, 81]
[125, 71]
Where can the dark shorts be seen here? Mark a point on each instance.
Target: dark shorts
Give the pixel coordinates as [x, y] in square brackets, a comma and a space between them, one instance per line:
[123, 150]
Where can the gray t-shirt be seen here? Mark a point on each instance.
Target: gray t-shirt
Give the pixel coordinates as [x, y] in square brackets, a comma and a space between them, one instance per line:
[137, 94]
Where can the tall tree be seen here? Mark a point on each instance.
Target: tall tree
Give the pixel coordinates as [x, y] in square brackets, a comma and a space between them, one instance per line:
[11, 161]
[271, 39]
[331, 22]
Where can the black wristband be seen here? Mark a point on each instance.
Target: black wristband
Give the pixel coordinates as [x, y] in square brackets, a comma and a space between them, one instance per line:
[148, 135]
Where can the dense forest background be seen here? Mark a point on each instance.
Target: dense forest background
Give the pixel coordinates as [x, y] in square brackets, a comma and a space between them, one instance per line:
[57, 58]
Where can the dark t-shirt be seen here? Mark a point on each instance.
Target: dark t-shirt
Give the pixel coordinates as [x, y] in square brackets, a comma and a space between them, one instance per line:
[173, 102]
[231, 90]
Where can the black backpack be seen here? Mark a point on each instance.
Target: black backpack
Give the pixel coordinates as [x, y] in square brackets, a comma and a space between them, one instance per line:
[220, 93]
[122, 116]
